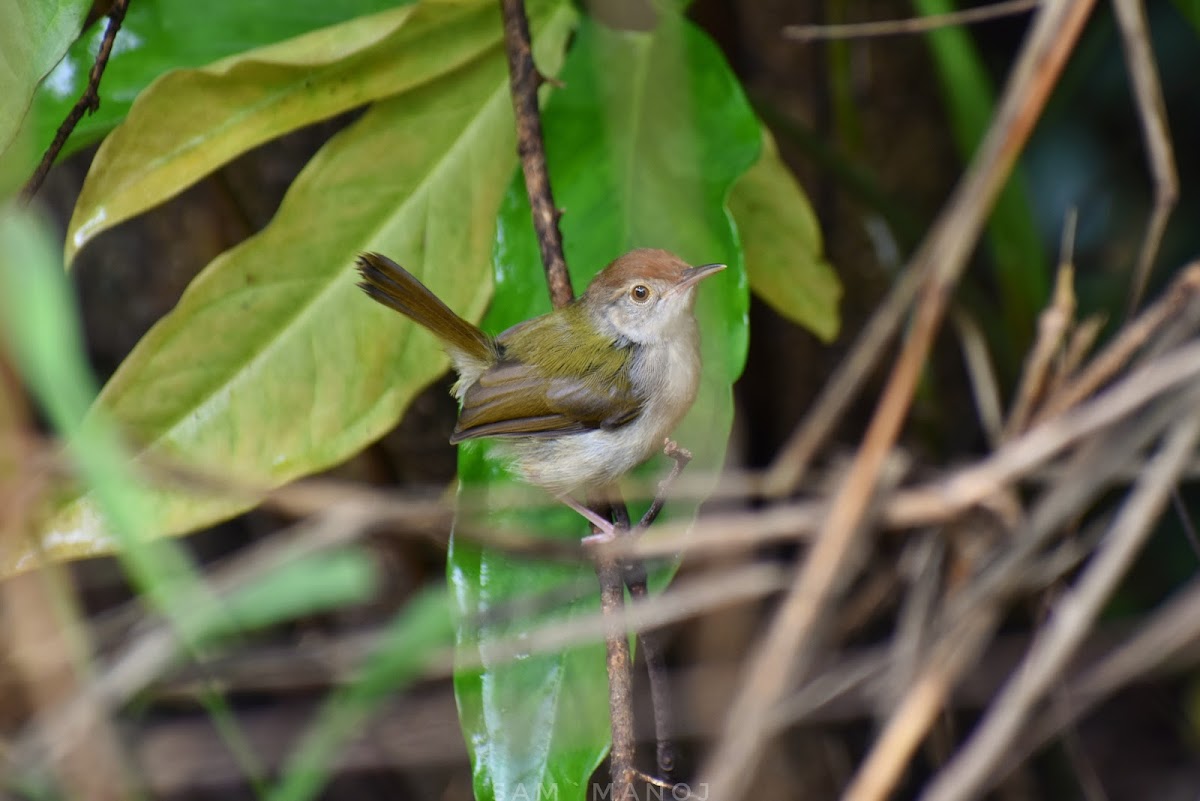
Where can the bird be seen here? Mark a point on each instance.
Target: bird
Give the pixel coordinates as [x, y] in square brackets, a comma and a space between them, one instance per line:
[580, 395]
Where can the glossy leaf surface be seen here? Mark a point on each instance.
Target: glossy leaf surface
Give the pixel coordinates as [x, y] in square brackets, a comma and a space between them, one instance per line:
[165, 145]
[158, 36]
[34, 34]
[643, 144]
[782, 242]
[274, 364]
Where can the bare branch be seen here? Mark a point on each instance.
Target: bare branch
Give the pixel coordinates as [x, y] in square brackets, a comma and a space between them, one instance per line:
[88, 102]
[899, 27]
[1152, 111]
[524, 80]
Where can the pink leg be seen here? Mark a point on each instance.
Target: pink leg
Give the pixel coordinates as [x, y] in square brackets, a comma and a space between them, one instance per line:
[604, 527]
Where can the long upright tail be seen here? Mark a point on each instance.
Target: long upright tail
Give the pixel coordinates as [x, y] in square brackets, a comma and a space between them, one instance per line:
[396, 288]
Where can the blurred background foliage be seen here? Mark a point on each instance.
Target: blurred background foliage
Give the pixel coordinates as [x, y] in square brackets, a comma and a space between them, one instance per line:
[877, 132]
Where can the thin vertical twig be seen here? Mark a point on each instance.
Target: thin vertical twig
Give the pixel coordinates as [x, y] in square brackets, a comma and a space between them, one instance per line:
[87, 103]
[1126, 344]
[653, 649]
[620, 677]
[524, 80]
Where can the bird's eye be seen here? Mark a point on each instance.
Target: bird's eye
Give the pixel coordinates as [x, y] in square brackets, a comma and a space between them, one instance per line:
[640, 293]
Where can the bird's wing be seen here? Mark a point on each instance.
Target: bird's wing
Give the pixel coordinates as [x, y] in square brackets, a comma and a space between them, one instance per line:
[514, 399]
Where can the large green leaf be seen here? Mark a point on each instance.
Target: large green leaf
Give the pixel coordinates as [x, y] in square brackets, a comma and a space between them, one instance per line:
[783, 245]
[161, 35]
[164, 145]
[643, 147]
[34, 34]
[274, 364]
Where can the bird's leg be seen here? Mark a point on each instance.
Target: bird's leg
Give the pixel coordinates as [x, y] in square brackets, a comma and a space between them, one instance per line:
[604, 528]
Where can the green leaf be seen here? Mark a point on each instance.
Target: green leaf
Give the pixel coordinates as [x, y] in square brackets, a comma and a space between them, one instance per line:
[158, 36]
[783, 245]
[274, 364]
[644, 144]
[1021, 271]
[164, 146]
[34, 34]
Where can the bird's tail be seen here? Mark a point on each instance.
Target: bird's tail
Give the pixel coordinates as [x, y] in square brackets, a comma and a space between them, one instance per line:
[396, 288]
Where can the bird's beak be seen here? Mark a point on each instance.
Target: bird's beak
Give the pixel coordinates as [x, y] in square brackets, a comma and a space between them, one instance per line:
[694, 275]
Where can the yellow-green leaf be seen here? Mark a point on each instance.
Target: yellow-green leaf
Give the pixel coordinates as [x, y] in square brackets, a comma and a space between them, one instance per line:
[782, 242]
[190, 122]
[273, 364]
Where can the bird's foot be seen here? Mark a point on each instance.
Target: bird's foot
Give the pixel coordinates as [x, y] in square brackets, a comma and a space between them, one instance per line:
[605, 531]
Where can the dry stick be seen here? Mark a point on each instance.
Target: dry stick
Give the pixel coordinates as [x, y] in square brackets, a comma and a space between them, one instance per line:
[88, 102]
[789, 639]
[1053, 324]
[1152, 111]
[1079, 344]
[984, 386]
[1185, 520]
[863, 30]
[970, 770]
[1128, 342]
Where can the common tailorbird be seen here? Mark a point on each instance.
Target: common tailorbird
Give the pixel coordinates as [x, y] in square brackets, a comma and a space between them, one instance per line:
[583, 394]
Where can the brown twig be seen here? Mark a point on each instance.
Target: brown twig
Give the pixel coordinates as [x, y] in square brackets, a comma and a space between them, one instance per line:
[897, 27]
[1131, 339]
[524, 79]
[88, 102]
[1053, 325]
[984, 387]
[620, 676]
[653, 650]
[941, 260]
[1152, 111]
